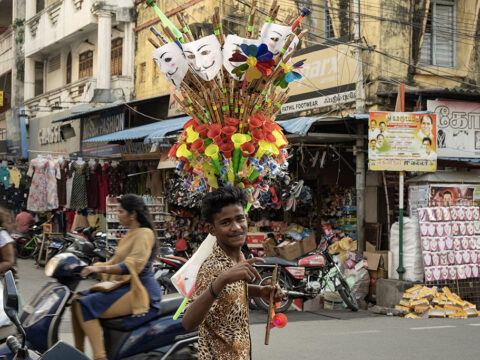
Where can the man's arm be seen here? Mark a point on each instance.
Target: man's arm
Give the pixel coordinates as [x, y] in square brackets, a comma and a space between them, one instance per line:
[264, 292]
[197, 311]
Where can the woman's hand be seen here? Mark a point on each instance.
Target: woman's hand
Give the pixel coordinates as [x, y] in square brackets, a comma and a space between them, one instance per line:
[87, 270]
[278, 296]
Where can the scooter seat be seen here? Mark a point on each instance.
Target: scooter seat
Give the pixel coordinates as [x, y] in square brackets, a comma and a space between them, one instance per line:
[279, 261]
[129, 322]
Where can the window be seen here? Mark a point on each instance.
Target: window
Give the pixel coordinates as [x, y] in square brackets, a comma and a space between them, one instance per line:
[143, 69]
[116, 57]
[38, 78]
[328, 25]
[54, 63]
[156, 69]
[69, 68]
[85, 67]
[439, 44]
[40, 5]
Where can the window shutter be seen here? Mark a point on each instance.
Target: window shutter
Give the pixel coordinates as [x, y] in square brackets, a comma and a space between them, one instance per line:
[426, 54]
[444, 31]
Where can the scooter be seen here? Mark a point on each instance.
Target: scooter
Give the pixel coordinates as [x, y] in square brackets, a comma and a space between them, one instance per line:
[153, 336]
[20, 350]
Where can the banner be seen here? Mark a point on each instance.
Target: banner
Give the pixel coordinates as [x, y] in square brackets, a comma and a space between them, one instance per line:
[458, 132]
[452, 195]
[402, 141]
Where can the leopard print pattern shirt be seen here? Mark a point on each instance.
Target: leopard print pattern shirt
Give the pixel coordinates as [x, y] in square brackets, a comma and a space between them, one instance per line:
[224, 334]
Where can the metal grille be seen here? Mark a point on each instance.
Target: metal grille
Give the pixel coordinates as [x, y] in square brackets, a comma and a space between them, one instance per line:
[467, 289]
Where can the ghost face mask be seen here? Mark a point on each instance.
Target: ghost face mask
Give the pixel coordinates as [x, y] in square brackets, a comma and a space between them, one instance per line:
[231, 46]
[204, 56]
[274, 36]
[172, 63]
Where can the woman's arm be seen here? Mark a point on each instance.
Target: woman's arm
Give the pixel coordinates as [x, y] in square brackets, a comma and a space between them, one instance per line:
[106, 269]
[8, 257]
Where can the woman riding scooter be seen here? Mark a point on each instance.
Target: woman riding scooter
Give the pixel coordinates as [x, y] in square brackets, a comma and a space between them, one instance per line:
[135, 290]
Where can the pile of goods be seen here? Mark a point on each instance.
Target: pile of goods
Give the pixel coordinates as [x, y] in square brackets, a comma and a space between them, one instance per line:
[424, 302]
[232, 87]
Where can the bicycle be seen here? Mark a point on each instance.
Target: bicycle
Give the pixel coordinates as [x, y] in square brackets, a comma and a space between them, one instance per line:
[28, 245]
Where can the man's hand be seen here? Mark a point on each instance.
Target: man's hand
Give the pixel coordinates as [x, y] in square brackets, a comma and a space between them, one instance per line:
[242, 271]
[279, 295]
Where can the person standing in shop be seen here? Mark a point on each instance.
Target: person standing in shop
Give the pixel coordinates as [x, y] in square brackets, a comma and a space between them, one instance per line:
[219, 304]
[7, 250]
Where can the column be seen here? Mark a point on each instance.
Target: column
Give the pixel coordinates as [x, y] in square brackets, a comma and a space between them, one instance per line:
[29, 82]
[128, 50]
[30, 8]
[104, 46]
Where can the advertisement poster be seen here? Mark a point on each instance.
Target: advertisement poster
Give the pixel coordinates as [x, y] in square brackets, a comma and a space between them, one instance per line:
[458, 128]
[402, 141]
[452, 195]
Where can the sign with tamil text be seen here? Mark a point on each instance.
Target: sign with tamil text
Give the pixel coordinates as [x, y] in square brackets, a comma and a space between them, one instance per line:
[402, 141]
[458, 130]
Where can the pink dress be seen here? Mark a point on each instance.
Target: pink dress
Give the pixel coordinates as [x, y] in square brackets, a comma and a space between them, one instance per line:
[37, 197]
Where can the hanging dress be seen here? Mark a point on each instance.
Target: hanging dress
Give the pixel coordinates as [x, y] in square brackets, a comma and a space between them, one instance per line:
[52, 193]
[37, 197]
[62, 184]
[93, 186]
[103, 188]
[80, 173]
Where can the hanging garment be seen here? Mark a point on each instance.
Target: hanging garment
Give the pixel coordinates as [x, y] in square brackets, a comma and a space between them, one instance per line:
[142, 181]
[79, 221]
[62, 184]
[115, 176]
[37, 197]
[80, 173]
[93, 186]
[103, 189]
[4, 176]
[15, 177]
[69, 186]
[52, 193]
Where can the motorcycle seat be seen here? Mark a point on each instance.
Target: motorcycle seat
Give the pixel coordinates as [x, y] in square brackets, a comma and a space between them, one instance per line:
[280, 261]
[129, 322]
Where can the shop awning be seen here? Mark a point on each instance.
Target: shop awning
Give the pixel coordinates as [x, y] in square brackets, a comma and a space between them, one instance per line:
[154, 132]
[302, 125]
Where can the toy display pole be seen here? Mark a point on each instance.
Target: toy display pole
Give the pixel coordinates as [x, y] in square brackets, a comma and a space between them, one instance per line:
[270, 305]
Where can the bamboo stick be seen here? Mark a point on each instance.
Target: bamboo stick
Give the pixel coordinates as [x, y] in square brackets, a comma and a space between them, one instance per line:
[271, 305]
[154, 43]
[158, 35]
[219, 26]
[251, 20]
[185, 29]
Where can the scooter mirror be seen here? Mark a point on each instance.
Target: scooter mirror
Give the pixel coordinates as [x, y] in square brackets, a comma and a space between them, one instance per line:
[10, 295]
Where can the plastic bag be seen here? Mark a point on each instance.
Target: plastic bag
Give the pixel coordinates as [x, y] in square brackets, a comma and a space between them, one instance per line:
[361, 282]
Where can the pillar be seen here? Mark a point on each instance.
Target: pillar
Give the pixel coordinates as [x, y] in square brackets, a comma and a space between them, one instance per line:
[104, 46]
[29, 82]
[128, 51]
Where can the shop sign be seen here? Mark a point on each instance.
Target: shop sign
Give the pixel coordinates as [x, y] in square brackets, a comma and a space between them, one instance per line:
[138, 151]
[101, 151]
[402, 141]
[453, 195]
[328, 78]
[1, 98]
[458, 132]
[106, 124]
[50, 135]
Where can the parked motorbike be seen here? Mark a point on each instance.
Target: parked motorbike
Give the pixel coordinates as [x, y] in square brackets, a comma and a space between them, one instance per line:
[154, 336]
[18, 348]
[165, 268]
[305, 278]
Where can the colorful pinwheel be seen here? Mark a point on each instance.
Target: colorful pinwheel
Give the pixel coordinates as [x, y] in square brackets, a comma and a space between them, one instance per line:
[257, 61]
[288, 75]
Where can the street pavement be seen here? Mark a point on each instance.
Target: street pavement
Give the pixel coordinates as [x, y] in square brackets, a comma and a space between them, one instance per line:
[326, 334]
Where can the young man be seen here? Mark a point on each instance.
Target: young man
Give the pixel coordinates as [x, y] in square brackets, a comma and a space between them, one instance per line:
[219, 305]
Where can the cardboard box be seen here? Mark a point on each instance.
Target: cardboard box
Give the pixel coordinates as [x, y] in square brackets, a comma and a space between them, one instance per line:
[373, 260]
[291, 251]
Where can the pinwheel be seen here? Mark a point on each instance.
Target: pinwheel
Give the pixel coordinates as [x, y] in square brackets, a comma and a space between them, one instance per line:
[288, 74]
[258, 61]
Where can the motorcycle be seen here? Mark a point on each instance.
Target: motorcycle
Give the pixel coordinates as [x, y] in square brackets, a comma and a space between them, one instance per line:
[153, 336]
[165, 268]
[305, 278]
[18, 348]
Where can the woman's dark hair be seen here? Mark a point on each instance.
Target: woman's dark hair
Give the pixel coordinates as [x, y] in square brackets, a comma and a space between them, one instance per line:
[215, 201]
[134, 203]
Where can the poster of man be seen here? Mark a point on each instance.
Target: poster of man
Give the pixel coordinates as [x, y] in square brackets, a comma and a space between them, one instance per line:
[404, 141]
[450, 195]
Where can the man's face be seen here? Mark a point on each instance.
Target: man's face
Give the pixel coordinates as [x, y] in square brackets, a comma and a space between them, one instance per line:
[447, 199]
[427, 146]
[230, 226]
[204, 56]
[231, 46]
[379, 141]
[382, 127]
[426, 125]
[373, 125]
[172, 63]
[373, 145]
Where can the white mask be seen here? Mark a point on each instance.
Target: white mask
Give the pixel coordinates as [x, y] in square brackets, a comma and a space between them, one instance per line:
[232, 45]
[204, 56]
[275, 36]
[172, 63]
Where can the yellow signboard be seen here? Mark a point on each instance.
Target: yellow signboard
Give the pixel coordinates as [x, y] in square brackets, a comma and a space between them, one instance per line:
[402, 141]
[328, 78]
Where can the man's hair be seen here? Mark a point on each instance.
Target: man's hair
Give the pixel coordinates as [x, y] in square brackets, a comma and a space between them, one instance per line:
[428, 139]
[373, 120]
[447, 193]
[424, 117]
[372, 140]
[381, 136]
[382, 122]
[214, 202]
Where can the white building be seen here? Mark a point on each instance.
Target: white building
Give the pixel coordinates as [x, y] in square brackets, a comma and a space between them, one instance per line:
[78, 54]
